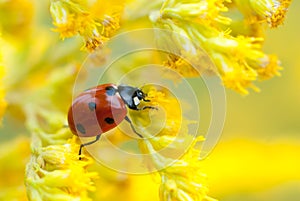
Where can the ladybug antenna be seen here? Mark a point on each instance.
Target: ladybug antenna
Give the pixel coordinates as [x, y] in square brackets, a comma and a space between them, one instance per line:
[141, 87]
[145, 94]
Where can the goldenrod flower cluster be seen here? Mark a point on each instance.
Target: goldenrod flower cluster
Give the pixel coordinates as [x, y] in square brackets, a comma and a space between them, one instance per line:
[183, 179]
[41, 70]
[200, 27]
[210, 25]
[180, 170]
[271, 11]
[95, 21]
[54, 171]
[39, 90]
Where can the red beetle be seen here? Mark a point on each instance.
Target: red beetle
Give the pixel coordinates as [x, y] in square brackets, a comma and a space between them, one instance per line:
[102, 108]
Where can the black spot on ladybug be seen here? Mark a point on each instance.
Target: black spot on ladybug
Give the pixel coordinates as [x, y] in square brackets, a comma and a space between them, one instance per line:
[80, 128]
[110, 91]
[92, 106]
[109, 120]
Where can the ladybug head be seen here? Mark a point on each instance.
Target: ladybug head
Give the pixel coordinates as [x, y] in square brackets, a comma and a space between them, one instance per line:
[140, 94]
[132, 96]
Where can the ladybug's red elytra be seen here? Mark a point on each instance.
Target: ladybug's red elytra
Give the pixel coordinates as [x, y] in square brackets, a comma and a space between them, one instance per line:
[102, 108]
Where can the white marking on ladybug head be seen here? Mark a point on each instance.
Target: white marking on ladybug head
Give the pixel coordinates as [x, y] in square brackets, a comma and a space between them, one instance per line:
[136, 100]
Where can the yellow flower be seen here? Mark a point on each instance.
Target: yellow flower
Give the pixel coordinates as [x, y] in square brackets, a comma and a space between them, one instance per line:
[184, 178]
[271, 68]
[238, 58]
[41, 74]
[183, 67]
[94, 21]
[55, 173]
[37, 76]
[239, 77]
[272, 11]
[36, 84]
[204, 12]
[180, 170]
[170, 106]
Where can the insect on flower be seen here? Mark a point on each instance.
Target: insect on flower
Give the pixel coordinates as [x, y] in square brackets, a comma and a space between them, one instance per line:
[102, 108]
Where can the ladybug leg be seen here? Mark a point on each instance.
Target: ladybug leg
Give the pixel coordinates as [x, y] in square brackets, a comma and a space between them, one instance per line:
[146, 100]
[132, 127]
[88, 143]
[148, 107]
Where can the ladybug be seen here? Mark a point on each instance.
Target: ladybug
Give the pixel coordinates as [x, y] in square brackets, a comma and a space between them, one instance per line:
[102, 108]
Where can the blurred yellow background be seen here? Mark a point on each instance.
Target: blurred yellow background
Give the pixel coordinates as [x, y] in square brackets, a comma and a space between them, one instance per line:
[258, 155]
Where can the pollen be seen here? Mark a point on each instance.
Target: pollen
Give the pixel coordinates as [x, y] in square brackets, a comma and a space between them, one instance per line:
[55, 172]
[200, 27]
[73, 18]
[183, 180]
[240, 79]
[274, 11]
[271, 68]
[181, 66]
